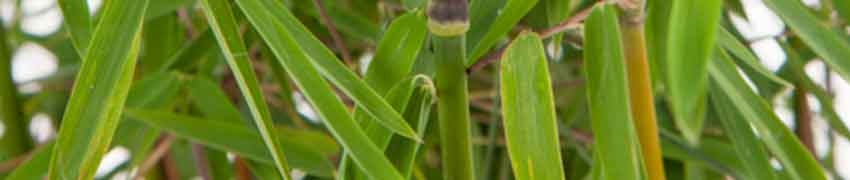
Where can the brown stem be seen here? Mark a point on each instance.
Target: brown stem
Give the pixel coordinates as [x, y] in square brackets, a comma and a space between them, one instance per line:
[186, 21]
[337, 39]
[242, 172]
[495, 54]
[158, 152]
[169, 167]
[803, 119]
[201, 164]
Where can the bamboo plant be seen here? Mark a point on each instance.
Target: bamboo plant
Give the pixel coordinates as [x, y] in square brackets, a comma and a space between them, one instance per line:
[425, 89]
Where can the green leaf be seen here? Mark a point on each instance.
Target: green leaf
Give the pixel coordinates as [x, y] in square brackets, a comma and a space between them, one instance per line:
[529, 110]
[304, 149]
[75, 15]
[615, 140]
[508, 16]
[796, 72]
[393, 61]
[843, 9]
[211, 101]
[155, 90]
[403, 152]
[746, 144]
[191, 51]
[159, 8]
[305, 58]
[400, 96]
[712, 153]
[226, 30]
[730, 43]
[277, 25]
[656, 31]
[37, 164]
[689, 46]
[99, 92]
[814, 33]
[782, 143]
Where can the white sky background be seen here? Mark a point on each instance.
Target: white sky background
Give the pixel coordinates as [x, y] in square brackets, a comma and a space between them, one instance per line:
[42, 17]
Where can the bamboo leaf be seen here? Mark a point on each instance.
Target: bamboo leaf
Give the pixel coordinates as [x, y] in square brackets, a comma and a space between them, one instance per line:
[403, 152]
[508, 16]
[656, 29]
[99, 92]
[529, 111]
[289, 40]
[36, 166]
[275, 23]
[728, 41]
[400, 96]
[781, 142]
[615, 139]
[796, 72]
[224, 25]
[393, 61]
[843, 9]
[689, 46]
[816, 34]
[746, 144]
[75, 15]
[304, 149]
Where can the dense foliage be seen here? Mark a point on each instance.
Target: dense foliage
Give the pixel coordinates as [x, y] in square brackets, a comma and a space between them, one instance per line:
[425, 89]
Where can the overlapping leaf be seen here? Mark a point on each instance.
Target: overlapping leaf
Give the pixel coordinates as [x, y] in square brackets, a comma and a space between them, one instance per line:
[781, 142]
[99, 92]
[831, 46]
[529, 111]
[616, 151]
[304, 58]
[224, 25]
[507, 17]
[689, 46]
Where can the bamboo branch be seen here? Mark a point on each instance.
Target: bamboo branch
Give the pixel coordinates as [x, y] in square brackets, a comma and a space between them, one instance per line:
[448, 21]
[640, 86]
[803, 119]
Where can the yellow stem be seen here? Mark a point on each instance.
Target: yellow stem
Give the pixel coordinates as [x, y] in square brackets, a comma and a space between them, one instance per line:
[640, 92]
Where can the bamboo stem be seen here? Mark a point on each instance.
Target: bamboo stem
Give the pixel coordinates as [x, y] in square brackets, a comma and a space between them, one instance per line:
[803, 120]
[15, 140]
[453, 108]
[640, 88]
[448, 21]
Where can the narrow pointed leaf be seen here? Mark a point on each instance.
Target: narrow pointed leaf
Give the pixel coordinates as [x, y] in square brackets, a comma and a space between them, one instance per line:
[745, 142]
[275, 23]
[400, 97]
[689, 46]
[99, 92]
[393, 61]
[728, 41]
[780, 141]
[825, 42]
[796, 73]
[224, 25]
[528, 111]
[304, 149]
[403, 152]
[617, 155]
[286, 37]
[75, 15]
[508, 16]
